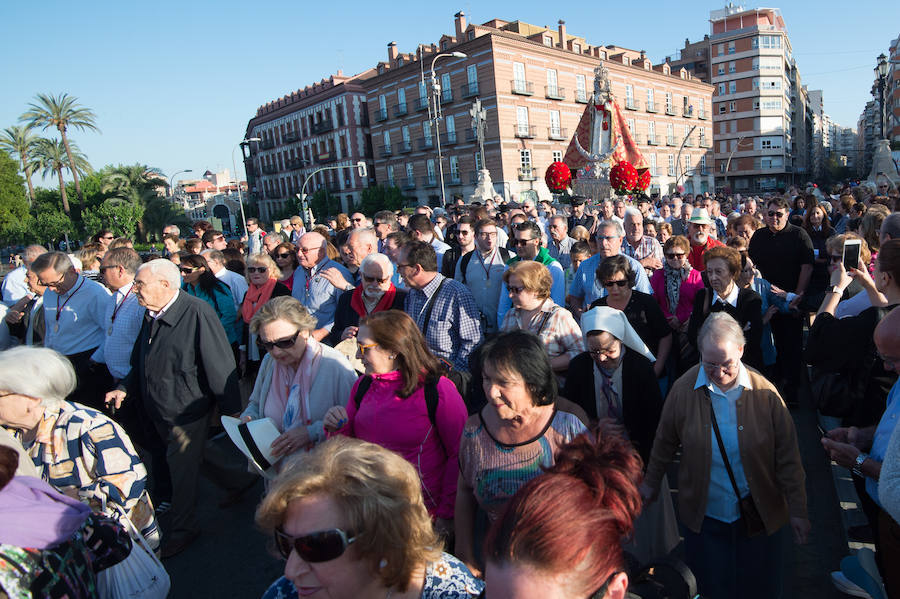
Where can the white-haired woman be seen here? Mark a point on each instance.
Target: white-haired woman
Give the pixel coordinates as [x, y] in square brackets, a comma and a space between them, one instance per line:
[263, 283]
[735, 504]
[375, 293]
[299, 378]
[80, 451]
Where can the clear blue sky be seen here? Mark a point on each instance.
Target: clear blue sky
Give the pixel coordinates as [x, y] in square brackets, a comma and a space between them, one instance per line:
[173, 84]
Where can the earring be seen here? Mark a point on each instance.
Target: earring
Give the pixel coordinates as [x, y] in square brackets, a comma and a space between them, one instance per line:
[382, 564]
[393, 356]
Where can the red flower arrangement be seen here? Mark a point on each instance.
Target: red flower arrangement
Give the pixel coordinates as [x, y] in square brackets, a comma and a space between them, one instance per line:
[643, 183]
[558, 177]
[623, 178]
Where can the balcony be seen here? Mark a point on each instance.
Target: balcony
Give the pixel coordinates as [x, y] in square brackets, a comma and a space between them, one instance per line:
[269, 169]
[689, 143]
[553, 92]
[651, 107]
[455, 179]
[470, 134]
[404, 147]
[426, 143]
[469, 89]
[702, 115]
[401, 109]
[522, 88]
[421, 103]
[275, 194]
[688, 112]
[446, 96]
[632, 104]
[638, 138]
[324, 126]
[557, 133]
[290, 137]
[267, 144]
[448, 138]
[381, 115]
[294, 164]
[670, 140]
[704, 171]
[527, 174]
[333, 187]
[652, 140]
[704, 143]
[670, 110]
[386, 151]
[325, 157]
[407, 184]
[525, 131]
[429, 182]
[581, 96]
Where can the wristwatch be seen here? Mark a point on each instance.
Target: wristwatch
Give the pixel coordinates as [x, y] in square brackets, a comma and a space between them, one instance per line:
[857, 466]
[836, 289]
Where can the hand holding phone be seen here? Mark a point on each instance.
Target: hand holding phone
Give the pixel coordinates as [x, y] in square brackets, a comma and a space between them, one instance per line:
[851, 254]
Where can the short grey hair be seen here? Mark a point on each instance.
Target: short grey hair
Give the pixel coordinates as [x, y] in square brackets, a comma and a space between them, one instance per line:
[891, 225]
[166, 270]
[285, 223]
[612, 224]
[211, 254]
[37, 372]
[380, 259]
[365, 235]
[60, 262]
[560, 217]
[720, 327]
[633, 213]
[31, 253]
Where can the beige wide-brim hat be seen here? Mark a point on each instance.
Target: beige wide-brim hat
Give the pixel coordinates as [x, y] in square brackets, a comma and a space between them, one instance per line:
[700, 217]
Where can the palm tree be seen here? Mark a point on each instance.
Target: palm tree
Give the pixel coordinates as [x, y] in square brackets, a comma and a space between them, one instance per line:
[52, 157]
[62, 112]
[20, 140]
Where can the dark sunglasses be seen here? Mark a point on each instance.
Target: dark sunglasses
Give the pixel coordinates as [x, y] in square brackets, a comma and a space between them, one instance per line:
[283, 256]
[369, 279]
[778, 214]
[189, 270]
[257, 268]
[673, 256]
[620, 283]
[285, 343]
[523, 241]
[314, 548]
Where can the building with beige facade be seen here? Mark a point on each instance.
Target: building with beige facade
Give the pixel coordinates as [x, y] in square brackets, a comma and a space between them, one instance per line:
[321, 125]
[534, 84]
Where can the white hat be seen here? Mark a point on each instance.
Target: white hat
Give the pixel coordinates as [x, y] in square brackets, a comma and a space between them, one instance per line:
[700, 217]
[254, 439]
[614, 322]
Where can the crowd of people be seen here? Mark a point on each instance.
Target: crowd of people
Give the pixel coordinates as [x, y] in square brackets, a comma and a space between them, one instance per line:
[474, 400]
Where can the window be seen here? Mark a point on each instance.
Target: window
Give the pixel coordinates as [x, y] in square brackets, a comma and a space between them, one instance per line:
[722, 126]
[671, 170]
[400, 61]
[387, 141]
[404, 131]
[651, 130]
[734, 126]
[548, 41]
[522, 120]
[557, 155]
[721, 69]
[555, 130]
[702, 136]
[722, 108]
[721, 49]
[478, 161]
[721, 89]
[649, 97]
[687, 131]
[401, 98]
[382, 103]
[731, 67]
[426, 132]
[653, 171]
[670, 133]
[390, 175]
[731, 47]
[580, 91]
[470, 35]
[454, 168]
[429, 170]
[410, 172]
[576, 48]
[472, 75]
[525, 160]
[687, 163]
[552, 87]
[631, 126]
[423, 94]
[768, 41]
[732, 106]
[519, 73]
[450, 125]
[723, 146]
[668, 101]
[446, 89]
[771, 104]
[732, 87]
[703, 164]
[629, 97]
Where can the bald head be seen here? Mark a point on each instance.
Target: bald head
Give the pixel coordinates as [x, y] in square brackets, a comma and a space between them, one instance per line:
[311, 249]
[887, 340]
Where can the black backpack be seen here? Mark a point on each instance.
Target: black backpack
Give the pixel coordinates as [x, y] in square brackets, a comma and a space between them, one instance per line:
[431, 395]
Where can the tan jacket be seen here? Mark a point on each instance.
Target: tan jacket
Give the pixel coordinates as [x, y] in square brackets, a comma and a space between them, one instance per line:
[766, 438]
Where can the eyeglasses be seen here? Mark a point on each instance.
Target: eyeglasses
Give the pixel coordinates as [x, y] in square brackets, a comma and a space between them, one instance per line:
[729, 366]
[619, 283]
[314, 548]
[603, 352]
[283, 256]
[673, 256]
[186, 270]
[364, 347]
[286, 343]
[306, 250]
[776, 214]
[257, 268]
[56, 283]
[219, 238]
[523, 242]
[405, 265]
[108, 266]
[368, 279]
[516, 290]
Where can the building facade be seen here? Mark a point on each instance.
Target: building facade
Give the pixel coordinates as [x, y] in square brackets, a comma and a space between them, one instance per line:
[324, 125]
[534, 84]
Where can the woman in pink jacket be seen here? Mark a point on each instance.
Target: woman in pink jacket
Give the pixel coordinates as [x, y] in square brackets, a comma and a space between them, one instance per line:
[405, 405]
[674, 287]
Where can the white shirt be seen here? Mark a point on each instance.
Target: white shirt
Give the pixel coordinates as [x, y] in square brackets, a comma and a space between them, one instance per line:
[236, 283]
[731, 298]
[156, 315]
[75, 321]
[14, 287]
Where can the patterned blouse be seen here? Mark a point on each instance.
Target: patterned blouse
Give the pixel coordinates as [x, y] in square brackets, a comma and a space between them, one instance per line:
[554, 325]
[447, 578]
[495, 471]
[88, 456]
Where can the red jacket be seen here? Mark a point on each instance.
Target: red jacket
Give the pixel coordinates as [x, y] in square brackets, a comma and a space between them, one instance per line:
[695, 257]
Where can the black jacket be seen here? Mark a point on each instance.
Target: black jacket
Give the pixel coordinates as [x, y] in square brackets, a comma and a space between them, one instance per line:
[182, 364]
[748, 313]
[345, 316]
[641, 399]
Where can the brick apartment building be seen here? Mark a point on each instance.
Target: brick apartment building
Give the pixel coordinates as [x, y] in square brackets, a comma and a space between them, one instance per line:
[534, 83]
[322, 125]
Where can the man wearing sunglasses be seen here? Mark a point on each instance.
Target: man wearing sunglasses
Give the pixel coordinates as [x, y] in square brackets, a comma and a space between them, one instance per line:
[784, 255]
[313, 288]
[182, 366]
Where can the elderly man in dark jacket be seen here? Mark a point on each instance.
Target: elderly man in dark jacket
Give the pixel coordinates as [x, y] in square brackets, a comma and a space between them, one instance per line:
[182, 367]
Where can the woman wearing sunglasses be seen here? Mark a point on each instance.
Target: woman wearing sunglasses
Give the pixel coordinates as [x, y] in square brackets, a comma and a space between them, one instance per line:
[198, 280]
[299, 378]
[405, 404]
[285, 257]
[561, 535]
[351, 523]
[262, 285]
[616, 275]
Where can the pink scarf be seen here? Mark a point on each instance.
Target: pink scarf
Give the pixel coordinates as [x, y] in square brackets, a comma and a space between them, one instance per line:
[290, 388]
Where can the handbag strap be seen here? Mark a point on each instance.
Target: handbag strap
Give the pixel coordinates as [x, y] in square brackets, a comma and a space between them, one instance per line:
[430, 307]
[712, 413]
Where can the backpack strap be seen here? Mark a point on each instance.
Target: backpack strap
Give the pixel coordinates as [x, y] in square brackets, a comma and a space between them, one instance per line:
[464, 265]
[431, 400]
[430, 308]
[361, 390]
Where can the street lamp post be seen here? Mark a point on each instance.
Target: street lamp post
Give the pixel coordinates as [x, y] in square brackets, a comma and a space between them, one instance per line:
[687, 136]
[881, 71]
[436, 115]
[234, 166]
[728, 163]
[171, 186]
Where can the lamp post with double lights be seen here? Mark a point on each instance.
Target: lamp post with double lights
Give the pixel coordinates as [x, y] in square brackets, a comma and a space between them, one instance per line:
[881, 72]
[434, 113]
[242, 143]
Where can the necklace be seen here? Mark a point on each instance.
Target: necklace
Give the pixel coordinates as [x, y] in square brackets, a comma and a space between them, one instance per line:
[59, 308]
[116, 311]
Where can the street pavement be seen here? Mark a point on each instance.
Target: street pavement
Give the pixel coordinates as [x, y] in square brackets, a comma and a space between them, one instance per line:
[232, 558]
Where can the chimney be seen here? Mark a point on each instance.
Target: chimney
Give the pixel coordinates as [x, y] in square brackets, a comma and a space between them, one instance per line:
[460, 25]
[562, 35]
[392, 52]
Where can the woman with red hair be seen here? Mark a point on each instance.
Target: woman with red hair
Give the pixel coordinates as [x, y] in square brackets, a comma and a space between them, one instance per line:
[561, 534]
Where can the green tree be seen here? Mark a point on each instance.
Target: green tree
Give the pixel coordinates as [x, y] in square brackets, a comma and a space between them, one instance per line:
[52, 226]
[13, 203]
[159, 213]
[54, 157]
[121, 217]
[20, 141]
[62, 112]
[379, 197]
[137, 185]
